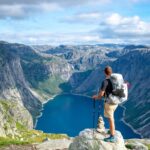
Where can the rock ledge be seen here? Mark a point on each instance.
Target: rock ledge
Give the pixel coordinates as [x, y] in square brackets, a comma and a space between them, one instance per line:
[86, 141]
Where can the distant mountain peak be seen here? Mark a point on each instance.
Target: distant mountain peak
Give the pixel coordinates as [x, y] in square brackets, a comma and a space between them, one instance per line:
[135, 46]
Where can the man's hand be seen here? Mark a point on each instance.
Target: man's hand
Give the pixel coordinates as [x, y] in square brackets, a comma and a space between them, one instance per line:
[94, 97]
[99, 96]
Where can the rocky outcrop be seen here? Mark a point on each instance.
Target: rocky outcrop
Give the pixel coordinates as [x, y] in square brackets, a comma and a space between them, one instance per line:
[12, 116]
[61, 144]
[19, 147]
[89, 141]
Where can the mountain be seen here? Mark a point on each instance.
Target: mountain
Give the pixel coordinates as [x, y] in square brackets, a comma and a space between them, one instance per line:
[29, 75]
[24, 75]
[82, 57]
[14, 91]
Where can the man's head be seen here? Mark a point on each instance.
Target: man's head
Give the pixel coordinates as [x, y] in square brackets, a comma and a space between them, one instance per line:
[108, 70]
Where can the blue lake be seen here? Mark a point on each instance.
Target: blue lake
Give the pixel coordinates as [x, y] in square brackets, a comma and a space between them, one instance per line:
[70, 114]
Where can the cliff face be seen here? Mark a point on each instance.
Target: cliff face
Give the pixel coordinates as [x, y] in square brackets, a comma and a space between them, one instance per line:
[26, 79]
[135, 68]
[82, 58]
[14, 89]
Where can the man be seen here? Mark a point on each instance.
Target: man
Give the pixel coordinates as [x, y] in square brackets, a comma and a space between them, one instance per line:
[109, 109]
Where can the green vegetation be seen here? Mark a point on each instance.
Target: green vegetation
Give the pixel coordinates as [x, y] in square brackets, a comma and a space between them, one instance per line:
[8, 141]
[51, 85]
[29, 137]
[22, 135]
[148, 145]
[129, 146]
[5, 105]
[20, 127]
[36, 73]
[35, 136]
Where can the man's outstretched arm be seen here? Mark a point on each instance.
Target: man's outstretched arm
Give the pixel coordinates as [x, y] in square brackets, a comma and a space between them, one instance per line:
[99, 96]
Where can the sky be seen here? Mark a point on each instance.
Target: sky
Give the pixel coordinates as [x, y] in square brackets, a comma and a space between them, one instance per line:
[73, 22]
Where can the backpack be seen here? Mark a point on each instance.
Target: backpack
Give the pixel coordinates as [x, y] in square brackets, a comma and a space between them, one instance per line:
[120, 89]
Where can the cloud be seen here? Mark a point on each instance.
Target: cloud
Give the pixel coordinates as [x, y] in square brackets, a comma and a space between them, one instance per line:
[59, 2]
[15, 11]
[22, 8]
[116, 26]
[20, 11]
[110, 27]
[89, 17]
[50, 38]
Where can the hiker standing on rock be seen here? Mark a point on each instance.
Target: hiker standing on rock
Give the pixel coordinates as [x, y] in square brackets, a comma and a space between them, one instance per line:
[109, 109]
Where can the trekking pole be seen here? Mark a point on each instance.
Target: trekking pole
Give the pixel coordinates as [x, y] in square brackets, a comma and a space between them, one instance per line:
[93, 116]
[99, 107]
[94, 112]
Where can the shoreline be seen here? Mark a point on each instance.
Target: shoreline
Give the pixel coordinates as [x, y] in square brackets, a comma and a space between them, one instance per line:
[122, 119]
[51, 98]
[78, 95]
[43, 103]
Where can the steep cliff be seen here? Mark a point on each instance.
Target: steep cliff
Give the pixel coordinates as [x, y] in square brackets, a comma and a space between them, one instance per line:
[15, 89]
[135, 68]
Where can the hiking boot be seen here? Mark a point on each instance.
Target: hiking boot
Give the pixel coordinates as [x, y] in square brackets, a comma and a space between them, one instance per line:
[111, 139]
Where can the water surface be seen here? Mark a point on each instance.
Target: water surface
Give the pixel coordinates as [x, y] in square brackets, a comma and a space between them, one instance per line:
[70, 114]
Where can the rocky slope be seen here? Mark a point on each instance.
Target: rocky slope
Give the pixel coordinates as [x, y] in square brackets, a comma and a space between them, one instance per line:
[12, 115]
[24, 75]
[15, 89]
[135, 68]
[83, 57]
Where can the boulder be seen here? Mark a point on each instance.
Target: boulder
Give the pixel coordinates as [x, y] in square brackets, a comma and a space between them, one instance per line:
[89, 141]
